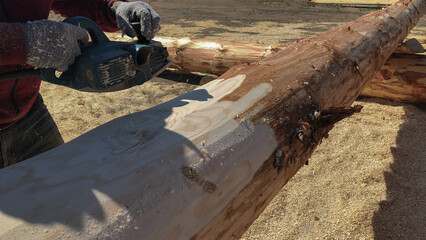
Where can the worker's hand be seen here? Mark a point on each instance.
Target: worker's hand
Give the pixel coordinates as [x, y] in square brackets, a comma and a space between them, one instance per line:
[53, 44]
[127, 13]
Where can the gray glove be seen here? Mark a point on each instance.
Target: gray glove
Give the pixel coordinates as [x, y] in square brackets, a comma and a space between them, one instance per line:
[139, 12]
[53, 44]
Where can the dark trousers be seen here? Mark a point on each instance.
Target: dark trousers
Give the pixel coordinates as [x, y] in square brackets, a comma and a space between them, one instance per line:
[30, 136]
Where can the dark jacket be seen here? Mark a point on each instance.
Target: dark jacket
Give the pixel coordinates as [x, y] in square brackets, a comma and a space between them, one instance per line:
[17, 96]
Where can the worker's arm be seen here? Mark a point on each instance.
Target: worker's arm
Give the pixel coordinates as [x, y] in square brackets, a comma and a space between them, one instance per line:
[97, 10]
[12, 47]
[41, 43]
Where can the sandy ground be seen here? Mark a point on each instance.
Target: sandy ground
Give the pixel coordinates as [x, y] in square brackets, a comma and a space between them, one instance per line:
[367, 180]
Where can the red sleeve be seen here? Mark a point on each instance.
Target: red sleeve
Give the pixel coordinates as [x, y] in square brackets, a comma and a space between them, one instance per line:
[12, 47]
[97, 10]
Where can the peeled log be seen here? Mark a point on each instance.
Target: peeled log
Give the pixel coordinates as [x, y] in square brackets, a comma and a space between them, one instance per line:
[216, 57]
[206, 164]
[402, 78]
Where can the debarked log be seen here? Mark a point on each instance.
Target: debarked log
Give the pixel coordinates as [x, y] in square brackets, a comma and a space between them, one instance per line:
[217, 57]
[206, 164]
[402, 78]
[207, 56]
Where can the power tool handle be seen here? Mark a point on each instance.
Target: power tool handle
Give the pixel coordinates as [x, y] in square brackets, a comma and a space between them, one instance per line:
[49, 74]
[95, 32]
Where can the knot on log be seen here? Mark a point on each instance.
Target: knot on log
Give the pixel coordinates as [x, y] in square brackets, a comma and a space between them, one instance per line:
[192, 175]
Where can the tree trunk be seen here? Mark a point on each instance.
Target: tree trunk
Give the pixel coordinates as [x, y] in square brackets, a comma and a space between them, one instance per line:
[206, 164]
[402, 78]
[206, 56]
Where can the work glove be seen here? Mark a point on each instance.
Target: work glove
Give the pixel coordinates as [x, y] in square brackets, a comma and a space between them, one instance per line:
[127, 13]
[53, 44]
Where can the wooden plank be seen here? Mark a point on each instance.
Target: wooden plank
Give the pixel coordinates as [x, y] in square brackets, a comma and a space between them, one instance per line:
[384, 2]
[206, 164]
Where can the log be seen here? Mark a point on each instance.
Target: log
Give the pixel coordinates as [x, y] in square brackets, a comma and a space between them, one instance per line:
[206, 164]
[402, 78]
[206, 56]
[216, 57]
[382, 2]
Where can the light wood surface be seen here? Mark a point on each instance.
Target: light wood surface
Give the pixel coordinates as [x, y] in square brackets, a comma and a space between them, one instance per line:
[402, 78]
[204, 165]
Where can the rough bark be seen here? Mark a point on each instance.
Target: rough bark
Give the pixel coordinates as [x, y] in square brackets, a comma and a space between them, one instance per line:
[204, 165]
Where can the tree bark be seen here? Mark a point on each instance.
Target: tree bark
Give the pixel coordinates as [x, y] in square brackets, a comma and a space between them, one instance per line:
[206, 164]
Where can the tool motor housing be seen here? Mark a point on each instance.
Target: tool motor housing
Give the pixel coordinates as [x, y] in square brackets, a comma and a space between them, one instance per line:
[106, 65]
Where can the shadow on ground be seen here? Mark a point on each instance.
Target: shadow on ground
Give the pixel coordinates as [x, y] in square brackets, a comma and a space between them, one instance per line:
[193, 79]
[403, 214]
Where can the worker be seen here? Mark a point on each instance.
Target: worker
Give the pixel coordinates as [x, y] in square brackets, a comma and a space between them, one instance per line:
[28, 40]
